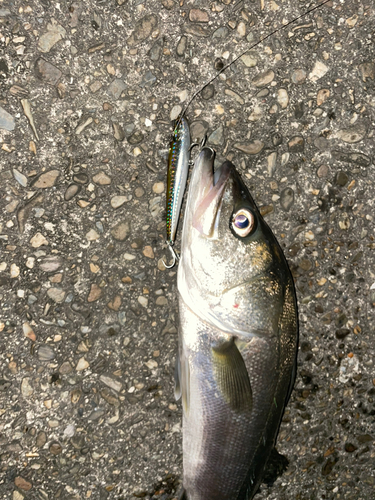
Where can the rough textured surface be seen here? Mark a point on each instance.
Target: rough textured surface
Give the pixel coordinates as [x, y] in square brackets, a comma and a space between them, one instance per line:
[88, 312]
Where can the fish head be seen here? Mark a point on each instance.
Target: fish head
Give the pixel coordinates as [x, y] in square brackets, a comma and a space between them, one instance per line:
[231, 267]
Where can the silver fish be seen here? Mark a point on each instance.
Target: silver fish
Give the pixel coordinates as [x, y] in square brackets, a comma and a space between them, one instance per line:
[238, 336]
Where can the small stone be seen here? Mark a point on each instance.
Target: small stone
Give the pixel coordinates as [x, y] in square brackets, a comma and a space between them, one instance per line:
[65, 368]
[168, 4]
[156, 50]
[26, 389]
[56, 294]
[341, 178]
[111, 398]
[175, 112]
[14, 271]
[161, 301]
[143, 29]
[277, 139]
[352, 21]
[69, 430]
[11, 207]
[198, 16]
[83, 124]
[82, 365]
[54, 34]
[20, 178]
[46, 180]
[151, 364]
[110, 382]
[364, 438]
[71, 191]
[235, 96]
[322, 96]
[181, 46]
[121, 231]
[208, 92]
[95, 86]
[359, 159]
[322, 171]
[148, 79]
[30, 262]
[118, 132]
[46, 353]
[264, 78]
[80, 178]
[353, 134]
[299, 76]
[286, 198]
[102, 179]
[221, 32]
[28, 332]
[283, 98]
[319, 70]
[47, 72]
[349, 447]
[143, 301]
[118, 201]
[241, 29]
[17, 495]
[217, 136]
[92, 235]
[22, 483]
[55, 448]
[135, 138]
[75, 396]
[95, 293]
[296, 144]
[367, 71]
[115, 303]
[116, 88]
[271, 163]
[38, 240]
[148, 252]
[7, 122]
[41, 439]
[250, 59]
[328, 466]
[158, 187]
[251, 148]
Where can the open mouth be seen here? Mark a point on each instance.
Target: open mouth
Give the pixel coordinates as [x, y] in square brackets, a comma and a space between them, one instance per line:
[209, 188]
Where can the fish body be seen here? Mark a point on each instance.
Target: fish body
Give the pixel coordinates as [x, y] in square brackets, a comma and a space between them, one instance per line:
[178, 168]
[237, 338]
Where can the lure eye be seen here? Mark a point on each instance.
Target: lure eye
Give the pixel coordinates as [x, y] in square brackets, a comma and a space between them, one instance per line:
[243, 222]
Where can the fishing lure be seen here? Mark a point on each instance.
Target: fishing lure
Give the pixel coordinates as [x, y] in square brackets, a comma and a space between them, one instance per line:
[178, 168]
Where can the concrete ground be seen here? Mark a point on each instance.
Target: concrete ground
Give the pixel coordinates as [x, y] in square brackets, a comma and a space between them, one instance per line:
[88, 315]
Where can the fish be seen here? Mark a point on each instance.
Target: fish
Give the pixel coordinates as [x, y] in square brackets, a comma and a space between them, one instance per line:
[178, 169]
[238, 336]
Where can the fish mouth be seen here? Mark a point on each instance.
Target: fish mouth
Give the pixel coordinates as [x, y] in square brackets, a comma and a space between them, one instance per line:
[208, 188]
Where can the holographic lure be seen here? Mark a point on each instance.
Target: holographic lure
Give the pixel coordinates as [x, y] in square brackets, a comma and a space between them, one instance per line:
[178, 168]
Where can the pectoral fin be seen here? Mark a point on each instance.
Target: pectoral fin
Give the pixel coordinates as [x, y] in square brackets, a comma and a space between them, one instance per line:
[231, 376]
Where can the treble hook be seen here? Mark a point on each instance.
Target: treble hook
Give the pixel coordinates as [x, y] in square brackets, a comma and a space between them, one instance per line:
[174, 255]
[201, 144]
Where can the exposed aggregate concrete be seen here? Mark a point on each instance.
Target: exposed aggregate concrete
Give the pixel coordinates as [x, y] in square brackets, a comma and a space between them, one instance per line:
[88, 319]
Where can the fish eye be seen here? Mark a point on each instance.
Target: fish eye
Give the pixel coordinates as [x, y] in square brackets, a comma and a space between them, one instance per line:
[243, 222]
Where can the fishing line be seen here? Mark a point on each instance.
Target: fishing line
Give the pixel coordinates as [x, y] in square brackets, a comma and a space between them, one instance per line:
[304, 14]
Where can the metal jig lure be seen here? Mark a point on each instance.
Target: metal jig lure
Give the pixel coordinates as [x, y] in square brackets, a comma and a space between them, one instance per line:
[178, 168]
